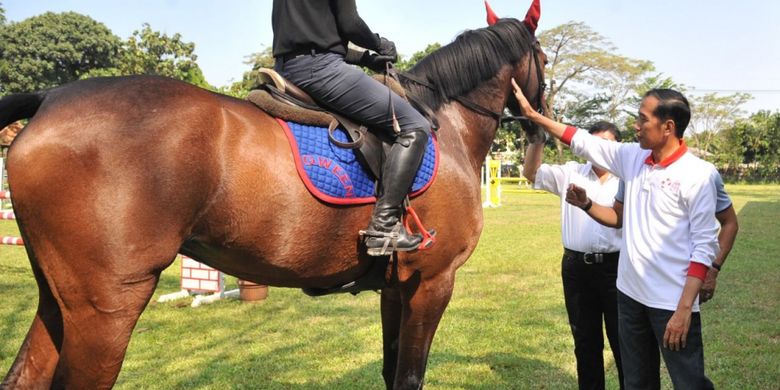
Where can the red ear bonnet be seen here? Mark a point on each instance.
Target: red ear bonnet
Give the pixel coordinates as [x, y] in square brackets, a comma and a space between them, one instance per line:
[491, 16]
[532, 17]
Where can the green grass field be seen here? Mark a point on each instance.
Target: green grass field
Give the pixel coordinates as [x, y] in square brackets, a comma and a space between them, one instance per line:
[505, 327]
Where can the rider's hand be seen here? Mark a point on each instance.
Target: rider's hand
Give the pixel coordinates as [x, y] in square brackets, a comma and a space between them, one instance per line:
[355, 57]
[387, 48]
[375, 62]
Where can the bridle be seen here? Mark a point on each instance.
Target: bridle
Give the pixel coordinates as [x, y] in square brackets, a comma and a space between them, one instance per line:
[540, 80]
[480, 109]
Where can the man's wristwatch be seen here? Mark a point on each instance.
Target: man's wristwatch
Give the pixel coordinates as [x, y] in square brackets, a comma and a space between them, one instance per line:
[716, 266]
[587, 205]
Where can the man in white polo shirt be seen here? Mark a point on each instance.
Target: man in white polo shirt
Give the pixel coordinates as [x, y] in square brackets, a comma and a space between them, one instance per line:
[669, 238]
[590, 261]
[613, 217]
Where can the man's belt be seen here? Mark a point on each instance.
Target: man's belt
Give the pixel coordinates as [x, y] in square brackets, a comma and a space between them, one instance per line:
[592, 257]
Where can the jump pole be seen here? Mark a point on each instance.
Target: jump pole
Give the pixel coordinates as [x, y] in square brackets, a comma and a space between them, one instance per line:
[199, 279]
[492, 183]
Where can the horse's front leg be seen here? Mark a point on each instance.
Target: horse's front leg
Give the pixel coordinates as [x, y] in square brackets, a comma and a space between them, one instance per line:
[410, 316]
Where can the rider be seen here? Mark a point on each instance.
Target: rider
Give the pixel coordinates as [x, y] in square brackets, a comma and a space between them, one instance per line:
[310, 48]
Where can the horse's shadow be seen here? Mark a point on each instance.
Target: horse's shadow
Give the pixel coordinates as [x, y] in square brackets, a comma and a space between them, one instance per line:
[283, 367]
[22, 310]
[505, 369]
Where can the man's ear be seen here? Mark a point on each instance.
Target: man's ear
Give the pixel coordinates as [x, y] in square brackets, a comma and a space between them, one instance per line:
[669, 127]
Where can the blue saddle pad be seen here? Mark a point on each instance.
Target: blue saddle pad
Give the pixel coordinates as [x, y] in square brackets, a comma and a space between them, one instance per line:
[335, 175]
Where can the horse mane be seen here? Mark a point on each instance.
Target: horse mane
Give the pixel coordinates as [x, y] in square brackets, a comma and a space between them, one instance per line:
[472, 58]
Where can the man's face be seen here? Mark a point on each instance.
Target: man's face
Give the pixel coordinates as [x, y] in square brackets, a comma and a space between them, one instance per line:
[651, 132]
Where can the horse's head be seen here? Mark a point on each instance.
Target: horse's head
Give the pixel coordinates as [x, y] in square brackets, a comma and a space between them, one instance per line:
[529, 73]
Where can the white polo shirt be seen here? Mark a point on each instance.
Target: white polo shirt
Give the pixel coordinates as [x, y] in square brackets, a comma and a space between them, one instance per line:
[579, 231]
[722, 203]
[668, 217]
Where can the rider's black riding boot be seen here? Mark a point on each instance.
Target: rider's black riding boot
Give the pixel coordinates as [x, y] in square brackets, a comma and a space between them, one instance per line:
[385, 232]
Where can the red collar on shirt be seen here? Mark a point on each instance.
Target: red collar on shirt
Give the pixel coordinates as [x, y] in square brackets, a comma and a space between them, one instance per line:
[671, 159]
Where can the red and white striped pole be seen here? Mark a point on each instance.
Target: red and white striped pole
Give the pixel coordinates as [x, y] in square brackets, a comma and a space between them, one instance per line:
[8, 216]
[7, 240]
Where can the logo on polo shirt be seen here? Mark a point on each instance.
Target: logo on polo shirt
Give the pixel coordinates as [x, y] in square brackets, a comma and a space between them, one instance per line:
[670, 185]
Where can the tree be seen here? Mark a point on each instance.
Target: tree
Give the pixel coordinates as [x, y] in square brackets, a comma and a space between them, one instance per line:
[618, 81]
[585, 109]
[2, 15]
[149, 52]
[406, 64]
[710, 114]
[632, 102]
[52, 49]
[584, 76]
[653, 82]
[573, 51]
[582, 63]
[259, 60]
[752, 143]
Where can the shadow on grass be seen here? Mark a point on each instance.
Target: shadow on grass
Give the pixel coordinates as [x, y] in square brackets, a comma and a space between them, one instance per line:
[19, 314]
[19, 301]
[505, 373]
[325, 343]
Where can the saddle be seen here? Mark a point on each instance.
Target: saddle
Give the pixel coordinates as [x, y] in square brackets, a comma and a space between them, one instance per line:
[285, 101]
[282, 99]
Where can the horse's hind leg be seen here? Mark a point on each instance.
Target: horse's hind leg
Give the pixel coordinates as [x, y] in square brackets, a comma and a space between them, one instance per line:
[101, 282]
[100, 307]
[101, 296]
[37, 358]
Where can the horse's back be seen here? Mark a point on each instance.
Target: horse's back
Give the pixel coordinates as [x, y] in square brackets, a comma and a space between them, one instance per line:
[131, 156]
[149, 159]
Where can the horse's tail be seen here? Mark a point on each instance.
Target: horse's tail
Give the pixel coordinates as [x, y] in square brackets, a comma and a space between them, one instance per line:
[19, 106]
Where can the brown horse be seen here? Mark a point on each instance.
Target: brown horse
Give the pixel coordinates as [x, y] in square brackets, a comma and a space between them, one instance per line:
[154, 166]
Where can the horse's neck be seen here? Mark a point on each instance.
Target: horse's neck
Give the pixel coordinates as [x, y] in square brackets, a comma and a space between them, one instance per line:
[477, 131]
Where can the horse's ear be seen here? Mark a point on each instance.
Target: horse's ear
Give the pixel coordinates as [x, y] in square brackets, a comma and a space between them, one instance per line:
[532, 17]
[491, 16]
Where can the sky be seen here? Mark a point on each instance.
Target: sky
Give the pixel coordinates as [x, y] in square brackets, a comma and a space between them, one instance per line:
[708, 45]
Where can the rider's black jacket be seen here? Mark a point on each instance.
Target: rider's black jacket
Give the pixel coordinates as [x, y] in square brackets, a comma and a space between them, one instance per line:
[321, 25]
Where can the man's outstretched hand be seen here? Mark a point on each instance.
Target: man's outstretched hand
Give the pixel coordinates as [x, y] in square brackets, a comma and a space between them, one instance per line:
[525, 107]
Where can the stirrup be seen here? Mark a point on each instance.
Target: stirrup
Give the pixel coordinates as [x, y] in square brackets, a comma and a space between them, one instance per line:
[389, 242]
[389, 238]
[428, 236]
